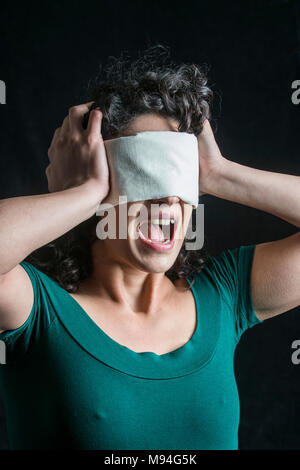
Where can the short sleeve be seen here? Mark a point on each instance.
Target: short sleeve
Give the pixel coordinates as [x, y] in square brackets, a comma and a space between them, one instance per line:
[231, 271]
[20, 341]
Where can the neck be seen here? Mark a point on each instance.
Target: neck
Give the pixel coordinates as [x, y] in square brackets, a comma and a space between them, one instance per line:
[118, 281]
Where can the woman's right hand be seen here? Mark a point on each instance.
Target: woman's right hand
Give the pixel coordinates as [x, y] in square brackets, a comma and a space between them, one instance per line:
[77, 155]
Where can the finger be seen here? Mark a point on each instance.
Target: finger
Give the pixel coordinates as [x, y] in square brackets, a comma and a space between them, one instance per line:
[47, 170]
[54, 139]
[56, 133]
[76, 114]
[94, 124]
[65, 128]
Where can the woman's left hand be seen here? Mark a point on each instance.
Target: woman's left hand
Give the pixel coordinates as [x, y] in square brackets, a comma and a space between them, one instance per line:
[210, 157]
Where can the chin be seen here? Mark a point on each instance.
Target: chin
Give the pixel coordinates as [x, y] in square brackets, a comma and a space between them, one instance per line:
[157, 267]
[154, 262]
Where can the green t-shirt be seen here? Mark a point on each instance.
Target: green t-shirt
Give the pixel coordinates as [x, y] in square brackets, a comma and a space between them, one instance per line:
[67, 385]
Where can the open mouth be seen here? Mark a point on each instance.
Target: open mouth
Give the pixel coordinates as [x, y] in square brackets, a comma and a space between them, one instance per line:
[158, 233]
[158, 230]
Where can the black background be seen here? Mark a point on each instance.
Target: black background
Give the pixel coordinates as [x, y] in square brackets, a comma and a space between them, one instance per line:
[49, 51]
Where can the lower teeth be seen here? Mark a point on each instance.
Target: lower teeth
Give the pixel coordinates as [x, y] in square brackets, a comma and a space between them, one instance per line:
[161, 243]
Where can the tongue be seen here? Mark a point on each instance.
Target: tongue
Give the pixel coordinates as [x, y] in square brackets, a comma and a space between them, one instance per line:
[152, 232]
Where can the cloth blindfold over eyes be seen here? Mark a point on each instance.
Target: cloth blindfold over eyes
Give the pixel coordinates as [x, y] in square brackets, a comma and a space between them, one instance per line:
[153, 165]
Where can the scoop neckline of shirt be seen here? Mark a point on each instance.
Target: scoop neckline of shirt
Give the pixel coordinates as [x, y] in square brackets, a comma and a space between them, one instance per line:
[196, 353]
[131, 351]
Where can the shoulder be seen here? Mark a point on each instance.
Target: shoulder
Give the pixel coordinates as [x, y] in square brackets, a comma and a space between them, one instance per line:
[228, 276]
[40, 314]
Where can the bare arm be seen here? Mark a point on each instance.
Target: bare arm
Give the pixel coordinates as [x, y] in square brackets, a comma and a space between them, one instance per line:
[78, 182]
[29, 222]
[275, 280]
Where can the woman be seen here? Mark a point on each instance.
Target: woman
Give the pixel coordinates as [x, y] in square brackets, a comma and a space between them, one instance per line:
[114, 343]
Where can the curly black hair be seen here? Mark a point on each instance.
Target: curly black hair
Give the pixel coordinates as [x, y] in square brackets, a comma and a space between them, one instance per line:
[124, 89]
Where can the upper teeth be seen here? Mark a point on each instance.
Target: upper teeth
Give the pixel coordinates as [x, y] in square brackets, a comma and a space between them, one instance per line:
[163, 221]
